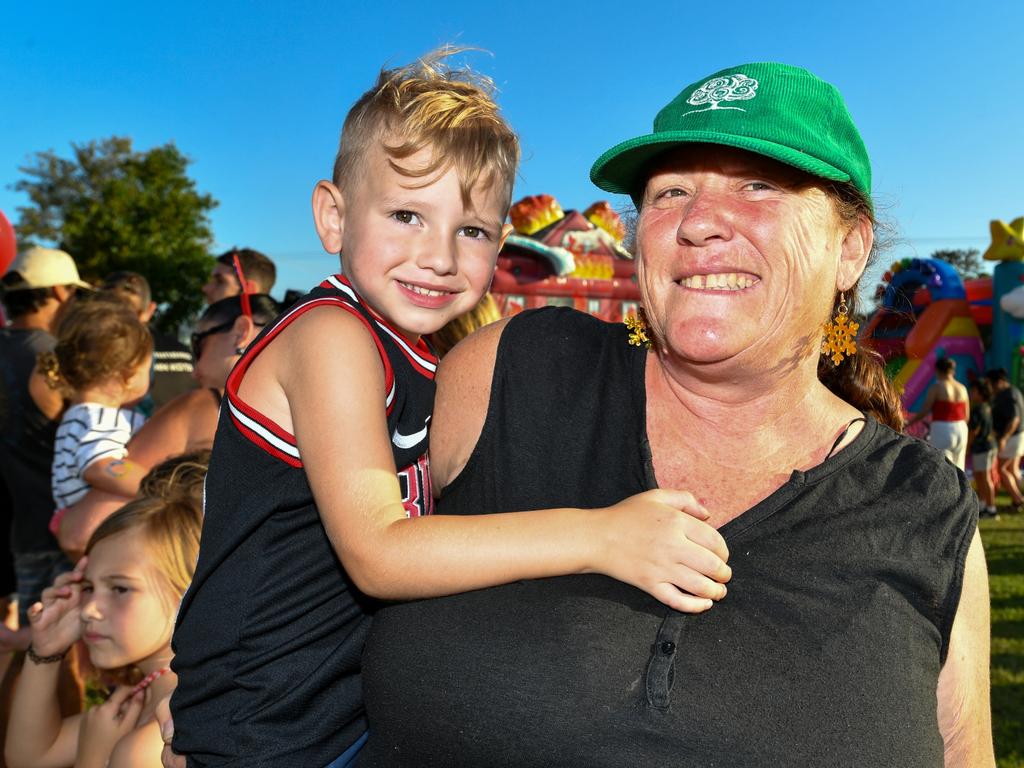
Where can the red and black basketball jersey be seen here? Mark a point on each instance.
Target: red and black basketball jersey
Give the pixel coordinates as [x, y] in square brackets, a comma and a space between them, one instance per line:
[269, 635]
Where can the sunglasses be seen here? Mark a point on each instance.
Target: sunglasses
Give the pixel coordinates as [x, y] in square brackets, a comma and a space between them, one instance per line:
[200, 336]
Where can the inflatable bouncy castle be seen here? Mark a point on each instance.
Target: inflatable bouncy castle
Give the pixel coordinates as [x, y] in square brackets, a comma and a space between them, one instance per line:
[566, 258]
[1008, 292]
[925, 315]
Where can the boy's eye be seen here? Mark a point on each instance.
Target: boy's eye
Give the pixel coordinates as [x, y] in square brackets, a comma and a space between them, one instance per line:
[476, 233]
[405, 217]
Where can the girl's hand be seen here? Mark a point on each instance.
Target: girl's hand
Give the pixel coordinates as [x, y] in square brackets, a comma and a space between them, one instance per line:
[659, 542]
[55, 620]
[103, 726]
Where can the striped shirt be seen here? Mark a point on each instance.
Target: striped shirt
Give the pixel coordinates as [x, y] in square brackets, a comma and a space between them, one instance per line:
[87, 433]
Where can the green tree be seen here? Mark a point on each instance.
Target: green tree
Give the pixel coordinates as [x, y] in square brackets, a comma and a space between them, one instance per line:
[114, 208]
[967, 261]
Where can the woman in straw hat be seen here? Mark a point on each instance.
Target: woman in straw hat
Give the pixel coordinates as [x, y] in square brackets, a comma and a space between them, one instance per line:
[855, 630]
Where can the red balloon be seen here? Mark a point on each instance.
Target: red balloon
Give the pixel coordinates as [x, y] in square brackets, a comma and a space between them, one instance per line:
[8, 244]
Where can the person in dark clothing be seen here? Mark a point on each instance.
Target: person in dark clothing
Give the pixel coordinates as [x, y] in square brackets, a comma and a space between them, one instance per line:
[1008, 424]
[855, 630]
[39, 282]
[983, 444]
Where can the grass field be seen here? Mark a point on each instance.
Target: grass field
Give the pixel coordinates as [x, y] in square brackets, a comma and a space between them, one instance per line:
[1004, 551]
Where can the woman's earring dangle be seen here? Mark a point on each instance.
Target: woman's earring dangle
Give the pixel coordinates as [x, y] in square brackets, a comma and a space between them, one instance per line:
[840, 340]
[637, 325]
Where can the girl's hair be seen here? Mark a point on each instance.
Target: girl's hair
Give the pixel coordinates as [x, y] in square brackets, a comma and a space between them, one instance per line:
[171, 525]
[180, 476]
[484, 313]
[264, 310]
[859, 379]
[97, 338]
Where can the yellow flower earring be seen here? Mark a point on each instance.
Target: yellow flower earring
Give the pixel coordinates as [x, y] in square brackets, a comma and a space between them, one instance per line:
[840, 339]
[637, 325]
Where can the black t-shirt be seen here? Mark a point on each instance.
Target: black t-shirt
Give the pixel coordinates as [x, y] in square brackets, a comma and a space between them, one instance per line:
[981, 420]
[26, 441]
[172, 370]
[1006, 404]
[826, 651]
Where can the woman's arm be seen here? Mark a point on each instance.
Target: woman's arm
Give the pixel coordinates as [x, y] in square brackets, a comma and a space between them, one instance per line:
[653, 541]
[964, 711]
[926, 408]
[185, 423]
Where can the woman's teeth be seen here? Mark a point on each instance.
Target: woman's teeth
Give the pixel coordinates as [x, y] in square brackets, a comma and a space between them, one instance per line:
[726, 281]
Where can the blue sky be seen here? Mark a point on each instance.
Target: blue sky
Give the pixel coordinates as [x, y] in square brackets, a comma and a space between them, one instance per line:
[255, 93]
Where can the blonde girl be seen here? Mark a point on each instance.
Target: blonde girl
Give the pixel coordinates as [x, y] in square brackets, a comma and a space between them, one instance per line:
[101, 364]
[120, 600]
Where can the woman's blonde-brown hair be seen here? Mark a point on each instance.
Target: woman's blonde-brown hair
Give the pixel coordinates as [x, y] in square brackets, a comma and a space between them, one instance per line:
[97, 338]
[429, 104]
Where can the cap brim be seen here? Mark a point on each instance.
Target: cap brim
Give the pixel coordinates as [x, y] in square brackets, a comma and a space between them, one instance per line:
[621, 169]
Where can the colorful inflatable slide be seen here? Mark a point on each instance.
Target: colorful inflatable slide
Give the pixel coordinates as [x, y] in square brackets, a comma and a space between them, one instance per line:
[925, 315]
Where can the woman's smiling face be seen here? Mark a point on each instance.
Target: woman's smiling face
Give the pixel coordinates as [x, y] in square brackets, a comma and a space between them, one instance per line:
[737, 256]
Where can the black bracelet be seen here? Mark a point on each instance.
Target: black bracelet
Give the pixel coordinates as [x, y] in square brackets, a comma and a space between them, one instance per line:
[37, 659]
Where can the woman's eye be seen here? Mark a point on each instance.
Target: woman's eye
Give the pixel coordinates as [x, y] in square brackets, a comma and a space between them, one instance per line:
[405, 217]
[759, 186]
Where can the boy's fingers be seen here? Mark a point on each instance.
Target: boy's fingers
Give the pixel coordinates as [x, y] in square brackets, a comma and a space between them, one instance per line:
[670, 595]
[163, 717]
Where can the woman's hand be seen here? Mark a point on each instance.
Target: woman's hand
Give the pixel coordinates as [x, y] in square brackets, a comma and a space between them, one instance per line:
[105, 725]
[55, 621]
[659, 542]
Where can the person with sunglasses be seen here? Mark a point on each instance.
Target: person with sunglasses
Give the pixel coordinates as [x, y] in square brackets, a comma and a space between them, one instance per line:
[189, 421]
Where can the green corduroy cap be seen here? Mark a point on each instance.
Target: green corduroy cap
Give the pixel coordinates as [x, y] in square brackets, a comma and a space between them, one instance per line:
[772, 109]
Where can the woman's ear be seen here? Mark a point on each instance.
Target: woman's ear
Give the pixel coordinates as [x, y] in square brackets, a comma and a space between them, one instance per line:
[329, 215]
[243, 331]
[856, 248]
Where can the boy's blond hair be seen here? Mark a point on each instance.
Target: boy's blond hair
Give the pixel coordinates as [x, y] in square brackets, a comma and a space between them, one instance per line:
[429, 104]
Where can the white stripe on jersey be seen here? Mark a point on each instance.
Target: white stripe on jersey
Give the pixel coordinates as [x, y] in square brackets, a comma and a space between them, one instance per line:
[263, 432]
[432, 367]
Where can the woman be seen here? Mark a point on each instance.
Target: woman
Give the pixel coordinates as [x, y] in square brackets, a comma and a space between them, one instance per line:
[188, 422]
[947, 403]
[855, 629]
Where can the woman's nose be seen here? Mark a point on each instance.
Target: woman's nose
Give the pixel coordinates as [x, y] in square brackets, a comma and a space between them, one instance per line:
[704, 220]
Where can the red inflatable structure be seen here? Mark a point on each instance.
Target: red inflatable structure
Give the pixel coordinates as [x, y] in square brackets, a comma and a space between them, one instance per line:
[566, 258]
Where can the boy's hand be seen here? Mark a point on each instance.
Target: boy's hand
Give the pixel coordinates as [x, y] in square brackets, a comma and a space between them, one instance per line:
[105, 725]
[55, 621]
[659, 542]
[168, 758]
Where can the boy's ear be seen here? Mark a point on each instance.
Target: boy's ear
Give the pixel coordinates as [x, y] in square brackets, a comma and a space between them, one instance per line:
[329, 215]
[506, 230]
[855, 251]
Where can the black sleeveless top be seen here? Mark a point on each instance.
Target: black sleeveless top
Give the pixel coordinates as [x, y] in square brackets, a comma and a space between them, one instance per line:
[826, 651]
[270, 633]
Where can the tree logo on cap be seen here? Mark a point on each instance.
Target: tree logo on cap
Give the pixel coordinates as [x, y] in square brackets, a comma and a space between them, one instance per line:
[736, 87]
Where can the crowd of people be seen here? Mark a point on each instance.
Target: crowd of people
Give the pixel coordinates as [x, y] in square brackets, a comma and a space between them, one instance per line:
[240, 552]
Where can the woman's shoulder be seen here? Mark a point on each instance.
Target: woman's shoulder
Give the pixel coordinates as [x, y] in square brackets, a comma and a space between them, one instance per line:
[560, 332]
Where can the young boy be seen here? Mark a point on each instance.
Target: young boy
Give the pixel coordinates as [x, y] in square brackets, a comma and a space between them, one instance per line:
[303, 473]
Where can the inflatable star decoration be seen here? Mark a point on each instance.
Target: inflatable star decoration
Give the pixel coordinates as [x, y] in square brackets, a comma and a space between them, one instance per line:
[1007, 241]
[840, 338]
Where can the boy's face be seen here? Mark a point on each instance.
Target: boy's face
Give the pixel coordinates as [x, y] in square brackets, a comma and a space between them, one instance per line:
[411, 248]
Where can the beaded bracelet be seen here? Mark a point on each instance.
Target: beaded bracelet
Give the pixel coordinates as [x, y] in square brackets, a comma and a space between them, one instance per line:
[37, 659]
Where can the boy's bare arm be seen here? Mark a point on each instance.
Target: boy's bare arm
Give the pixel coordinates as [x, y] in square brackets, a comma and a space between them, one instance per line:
[336, 404]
